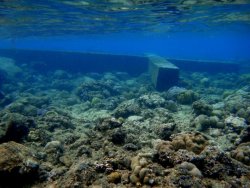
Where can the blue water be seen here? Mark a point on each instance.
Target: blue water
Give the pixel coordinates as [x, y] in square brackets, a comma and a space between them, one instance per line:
[208, 32]
[223, 46]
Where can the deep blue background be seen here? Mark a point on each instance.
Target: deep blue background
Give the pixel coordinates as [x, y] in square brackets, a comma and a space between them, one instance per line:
[226, 45]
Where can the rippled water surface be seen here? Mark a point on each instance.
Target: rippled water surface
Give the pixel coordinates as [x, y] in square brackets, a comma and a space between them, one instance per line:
[60, 17]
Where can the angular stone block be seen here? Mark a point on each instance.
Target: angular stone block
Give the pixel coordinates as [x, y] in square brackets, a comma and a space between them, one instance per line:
[163, 73]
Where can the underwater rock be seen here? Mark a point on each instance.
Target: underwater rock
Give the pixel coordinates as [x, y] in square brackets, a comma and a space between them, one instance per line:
[114, 177]
[166, 130]
[171, 106]
[80, 174]
[237, 101]
[15, 127]
[28, 105]
[245, 135]
[169, 153]
[203, 122]
[87, 91]
[118, 137]
[1, 95]
[127, 108]
[173, 92]
[216, 164]
[244, 113]
[242, 153]
[17, 165]
[201, 107]
[22, 108]
[194, 142]
[130, 147]
[152, 100]
[190, 169]
[39, 135]
[4, 100]
[54, 151]
[60, 74]
[54, 120]
[235, 123]
[187, 97]
[8, 66]
[142, 171]
[108, 123]
[3, 78]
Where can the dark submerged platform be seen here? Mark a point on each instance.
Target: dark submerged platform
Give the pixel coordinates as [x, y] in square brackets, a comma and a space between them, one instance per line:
[165, 72]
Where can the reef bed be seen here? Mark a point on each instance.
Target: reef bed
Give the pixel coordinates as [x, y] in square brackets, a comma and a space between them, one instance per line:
[112, 129]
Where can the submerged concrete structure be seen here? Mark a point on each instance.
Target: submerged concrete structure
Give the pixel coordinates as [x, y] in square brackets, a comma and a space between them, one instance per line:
[163, 73]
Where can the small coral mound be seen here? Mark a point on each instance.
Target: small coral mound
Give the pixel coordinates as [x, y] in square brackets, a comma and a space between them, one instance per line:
[169, 153]
[142, 171]
[201, 107]
[152, 100]
[166, 130]
[15, 127]
[194, 142]
[203, 122]
[187, 97]
[127, 108]
[53, 120]
[95, 89]
[242, 153]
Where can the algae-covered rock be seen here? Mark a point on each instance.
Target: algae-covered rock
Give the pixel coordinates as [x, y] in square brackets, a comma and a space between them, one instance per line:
[183, 147]
[17, 165]
[242, 153]
[166, 130]
[203, 122]
[81, 173]
[244, 113]
[201, 107]
[15, 127]
[236, 123]
[54, 119]
[114, 177]
[238, 100]
[187, 97]
[127, 108]
[118, 137]
[142, 172]
[173, 92]
[95, 89]
[152, 100]
[54, 151]
[108, 123]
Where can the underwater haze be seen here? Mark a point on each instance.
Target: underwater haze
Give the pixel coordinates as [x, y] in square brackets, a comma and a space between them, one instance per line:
[125, 93]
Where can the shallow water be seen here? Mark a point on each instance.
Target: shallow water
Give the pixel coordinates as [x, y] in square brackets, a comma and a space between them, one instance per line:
[81, 107]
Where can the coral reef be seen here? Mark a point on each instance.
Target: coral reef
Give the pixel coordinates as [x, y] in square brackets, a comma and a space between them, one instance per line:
[115, 130]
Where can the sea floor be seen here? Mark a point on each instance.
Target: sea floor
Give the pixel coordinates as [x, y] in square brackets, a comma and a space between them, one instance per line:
[59, 129]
